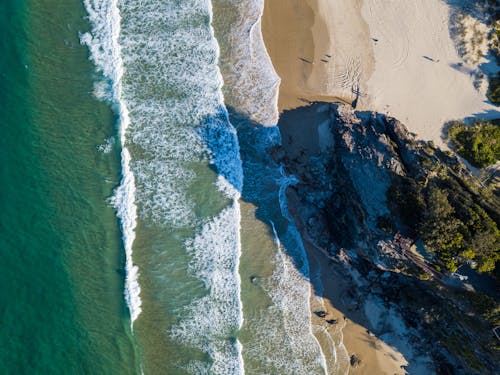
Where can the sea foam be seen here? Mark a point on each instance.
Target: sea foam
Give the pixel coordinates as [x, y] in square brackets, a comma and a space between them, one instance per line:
[280, 339]
[169, 90]
[251, 83]
[105, 52]
[210, 323]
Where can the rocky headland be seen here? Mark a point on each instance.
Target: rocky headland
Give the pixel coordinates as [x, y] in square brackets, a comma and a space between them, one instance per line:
[394, 217]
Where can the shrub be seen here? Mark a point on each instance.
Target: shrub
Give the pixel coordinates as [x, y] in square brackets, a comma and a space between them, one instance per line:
[479, 144]
[385, 223]
[448, 220]
[494, 90]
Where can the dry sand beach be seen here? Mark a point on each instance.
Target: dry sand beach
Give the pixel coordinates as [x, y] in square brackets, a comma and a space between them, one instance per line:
[310, 43]
[392, 57]
[419, 77]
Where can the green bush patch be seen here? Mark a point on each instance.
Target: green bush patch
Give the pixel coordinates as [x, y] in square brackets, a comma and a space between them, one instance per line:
[479, 144]
[453, 226]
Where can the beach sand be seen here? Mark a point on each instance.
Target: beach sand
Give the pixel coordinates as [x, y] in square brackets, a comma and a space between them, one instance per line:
[391, 57]
[396, 58]
[419, 77]
[310, 43]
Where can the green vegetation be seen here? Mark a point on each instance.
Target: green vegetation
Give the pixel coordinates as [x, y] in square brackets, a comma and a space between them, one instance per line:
[448, 219]
[493, 93]
[479, 144]
[486, 306]
[455, 344]
[385, 223]
[492, 8]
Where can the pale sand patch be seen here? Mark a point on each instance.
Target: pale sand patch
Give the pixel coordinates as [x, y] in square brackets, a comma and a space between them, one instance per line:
[418, 78]
[320, 49]
[379, 50]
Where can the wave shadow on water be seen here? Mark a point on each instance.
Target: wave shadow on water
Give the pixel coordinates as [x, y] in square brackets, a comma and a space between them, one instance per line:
[221, 140]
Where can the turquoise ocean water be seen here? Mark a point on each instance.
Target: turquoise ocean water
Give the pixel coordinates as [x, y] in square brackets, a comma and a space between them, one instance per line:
[136, 208]
[62, 266]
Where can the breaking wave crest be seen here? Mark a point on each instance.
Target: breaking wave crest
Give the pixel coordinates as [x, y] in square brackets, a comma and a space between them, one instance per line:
[105, 52]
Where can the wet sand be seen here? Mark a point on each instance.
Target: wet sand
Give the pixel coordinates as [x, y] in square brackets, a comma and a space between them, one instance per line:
[311, 46]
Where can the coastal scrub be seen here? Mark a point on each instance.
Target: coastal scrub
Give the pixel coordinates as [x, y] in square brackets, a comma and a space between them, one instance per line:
[479, 144]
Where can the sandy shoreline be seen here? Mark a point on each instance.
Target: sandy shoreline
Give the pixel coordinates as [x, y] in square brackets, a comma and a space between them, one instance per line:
[314, 63]
[394, 58]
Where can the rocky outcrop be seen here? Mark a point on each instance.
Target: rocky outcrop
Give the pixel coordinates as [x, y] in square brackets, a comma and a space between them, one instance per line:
[345, 185]
[346, 181]
[346, 162]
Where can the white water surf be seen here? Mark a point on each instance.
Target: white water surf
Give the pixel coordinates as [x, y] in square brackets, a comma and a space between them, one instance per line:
[105, 52]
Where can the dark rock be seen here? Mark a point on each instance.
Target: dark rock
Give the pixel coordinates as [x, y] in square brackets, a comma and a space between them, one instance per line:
[355, 360]
[345, 190]
[320, 313]
[278, 154]
[445, 369]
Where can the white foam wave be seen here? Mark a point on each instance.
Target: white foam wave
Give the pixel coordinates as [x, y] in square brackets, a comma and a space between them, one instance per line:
[282, 339]
[252, 84]
[174, 94]
[211, 323]
[107, 146]
[336, 357]
[172, 89]
[105, 52]
[295, 271]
